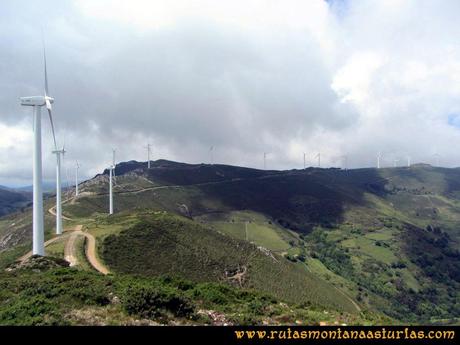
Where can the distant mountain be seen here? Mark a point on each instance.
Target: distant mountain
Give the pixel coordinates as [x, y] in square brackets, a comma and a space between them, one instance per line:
[11, 200]
[48, 187]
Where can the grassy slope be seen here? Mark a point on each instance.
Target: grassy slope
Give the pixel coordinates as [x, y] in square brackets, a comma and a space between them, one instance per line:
[42, 295]
[165, 244]
[373, 223]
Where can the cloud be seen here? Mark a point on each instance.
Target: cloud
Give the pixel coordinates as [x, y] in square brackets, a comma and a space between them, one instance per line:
[340, 77]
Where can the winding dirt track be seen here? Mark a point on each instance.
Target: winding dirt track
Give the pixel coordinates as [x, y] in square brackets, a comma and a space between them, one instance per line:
[70, 248]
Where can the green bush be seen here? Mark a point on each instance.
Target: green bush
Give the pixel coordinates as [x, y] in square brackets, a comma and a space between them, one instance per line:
[154, 300]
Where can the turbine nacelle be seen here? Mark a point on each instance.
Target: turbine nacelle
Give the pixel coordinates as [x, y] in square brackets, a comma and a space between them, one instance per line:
[36, 100]
[62, 151]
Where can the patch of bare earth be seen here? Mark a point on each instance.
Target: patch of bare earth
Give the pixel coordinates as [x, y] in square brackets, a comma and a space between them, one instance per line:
[218, 319]
[104, 316]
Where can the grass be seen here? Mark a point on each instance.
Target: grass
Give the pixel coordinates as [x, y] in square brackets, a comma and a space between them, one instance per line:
[166, 244]
[56, 248]
[260, 230]
[364, 231]
[83, 263]
[66, 296]
[369, 247]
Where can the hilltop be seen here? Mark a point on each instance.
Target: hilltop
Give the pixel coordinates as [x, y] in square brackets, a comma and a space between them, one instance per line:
[384, 242]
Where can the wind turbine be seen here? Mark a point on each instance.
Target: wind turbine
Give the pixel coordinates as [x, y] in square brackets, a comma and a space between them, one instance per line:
[265, 160]
[38, 246]
[379, 156]
[211, 152]
[408, 161]
[77, 166]
[345, 162]
[304, 161]
[318, 155]
[58, 154]
[111, 175]
[148, 155]
[395, 162]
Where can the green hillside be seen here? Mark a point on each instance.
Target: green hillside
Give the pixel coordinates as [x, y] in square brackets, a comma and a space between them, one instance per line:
[380, 241]
[163, 244]
[45, 292]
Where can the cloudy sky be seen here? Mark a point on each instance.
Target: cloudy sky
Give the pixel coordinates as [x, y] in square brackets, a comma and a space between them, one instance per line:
[342, 77]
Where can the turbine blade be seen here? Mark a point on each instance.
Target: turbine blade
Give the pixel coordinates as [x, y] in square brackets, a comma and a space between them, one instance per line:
[44, 63]
[52, 128]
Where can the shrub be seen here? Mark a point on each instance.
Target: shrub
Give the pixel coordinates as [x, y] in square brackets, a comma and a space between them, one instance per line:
[154, 301]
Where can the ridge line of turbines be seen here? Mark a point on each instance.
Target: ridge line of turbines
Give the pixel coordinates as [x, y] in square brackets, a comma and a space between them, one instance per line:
[37, 102]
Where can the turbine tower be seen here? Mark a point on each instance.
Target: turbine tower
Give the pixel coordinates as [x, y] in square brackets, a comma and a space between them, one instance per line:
[304, 161]
[38, 246]
[58, 154]
[319, 159]
[345, 162]
[148, 155]
[111, 176]
[265, 160]
[211, 152]
[77, 166]
[395, 162]
[379, 156]
[408, 161]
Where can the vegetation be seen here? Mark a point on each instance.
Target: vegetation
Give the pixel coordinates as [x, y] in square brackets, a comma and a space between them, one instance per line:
[382, 241]
[54, 295]
[164, 244]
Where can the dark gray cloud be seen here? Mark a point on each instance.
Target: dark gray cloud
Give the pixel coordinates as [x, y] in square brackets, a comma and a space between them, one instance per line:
[284, 79]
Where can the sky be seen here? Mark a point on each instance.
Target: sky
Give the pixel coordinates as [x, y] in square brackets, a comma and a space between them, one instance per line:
[342, 77]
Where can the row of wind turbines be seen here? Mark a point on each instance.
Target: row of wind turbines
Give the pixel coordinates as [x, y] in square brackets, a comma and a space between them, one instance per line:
[342, 158]
[37, 102]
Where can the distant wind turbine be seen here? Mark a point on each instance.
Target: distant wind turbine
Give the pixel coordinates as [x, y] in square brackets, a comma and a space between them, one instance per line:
[345, 162]
[304, 161]
[211, 152]
[111, 176]
[318, 155]
[265, 160]
[148, 155]
[77, 166]
[58, 154]
[379, 157]
[395, 162]
[38, 246]
[408, 161]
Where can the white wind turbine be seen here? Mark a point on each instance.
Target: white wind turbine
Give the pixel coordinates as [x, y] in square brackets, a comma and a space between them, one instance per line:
[77, 166]
[379, 157]
[345, 162]
[395, 162]
[211, 152]
[58, 154]
[318, 155]
[148, 155]
[111, 176]
[408, 161]
[304, 161]
[38, 246]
